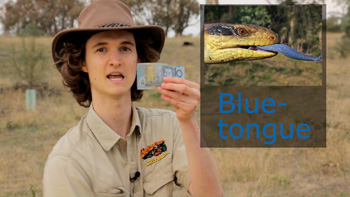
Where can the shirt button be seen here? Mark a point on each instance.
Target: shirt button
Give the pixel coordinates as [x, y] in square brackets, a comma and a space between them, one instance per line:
[139, 135]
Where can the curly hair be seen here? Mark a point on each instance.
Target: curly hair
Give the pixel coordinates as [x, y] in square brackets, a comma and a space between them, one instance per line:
[71, 58]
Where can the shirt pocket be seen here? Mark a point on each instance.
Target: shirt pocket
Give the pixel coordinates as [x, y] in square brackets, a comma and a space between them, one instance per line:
[120, 191]
[158, 178]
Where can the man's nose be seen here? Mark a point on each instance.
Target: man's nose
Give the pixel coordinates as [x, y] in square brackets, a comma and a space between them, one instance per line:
[114, 58]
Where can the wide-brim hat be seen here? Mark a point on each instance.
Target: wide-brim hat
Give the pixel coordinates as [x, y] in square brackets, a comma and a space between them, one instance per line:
[104, 15]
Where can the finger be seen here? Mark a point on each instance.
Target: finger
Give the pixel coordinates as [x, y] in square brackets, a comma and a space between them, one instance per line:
[185, 107]
[178, 96]
[182, 89]
[181, 81]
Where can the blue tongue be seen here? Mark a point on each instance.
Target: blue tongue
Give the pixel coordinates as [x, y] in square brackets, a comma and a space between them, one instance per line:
[289, 52]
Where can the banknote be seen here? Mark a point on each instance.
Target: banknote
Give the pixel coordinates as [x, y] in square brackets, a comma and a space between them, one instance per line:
[151, 74]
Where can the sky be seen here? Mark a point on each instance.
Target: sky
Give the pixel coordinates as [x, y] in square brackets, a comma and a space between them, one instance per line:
[193, 30]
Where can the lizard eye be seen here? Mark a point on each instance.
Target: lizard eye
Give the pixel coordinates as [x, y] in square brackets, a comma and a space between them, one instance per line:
[242, 31]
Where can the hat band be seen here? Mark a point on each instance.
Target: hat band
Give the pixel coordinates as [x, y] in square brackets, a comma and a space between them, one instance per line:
[115, 25]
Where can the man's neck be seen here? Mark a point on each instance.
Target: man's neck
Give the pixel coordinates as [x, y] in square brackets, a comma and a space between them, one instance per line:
[115, 113]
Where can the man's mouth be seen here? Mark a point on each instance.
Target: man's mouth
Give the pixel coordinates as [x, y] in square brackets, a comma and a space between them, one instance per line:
[115, 76]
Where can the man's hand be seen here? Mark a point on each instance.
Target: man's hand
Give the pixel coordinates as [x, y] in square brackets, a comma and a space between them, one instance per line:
[184, 95]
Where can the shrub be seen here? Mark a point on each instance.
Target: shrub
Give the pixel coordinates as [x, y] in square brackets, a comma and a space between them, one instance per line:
[28, 62]
[343, 47]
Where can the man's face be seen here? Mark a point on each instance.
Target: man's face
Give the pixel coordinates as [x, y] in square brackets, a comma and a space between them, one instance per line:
[110, 61]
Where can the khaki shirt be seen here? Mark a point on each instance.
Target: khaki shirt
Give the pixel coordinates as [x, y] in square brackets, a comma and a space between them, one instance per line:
[92, 160]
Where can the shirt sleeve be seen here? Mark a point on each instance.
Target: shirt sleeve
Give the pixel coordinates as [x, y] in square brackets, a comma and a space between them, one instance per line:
[64, 177]
[180, 163]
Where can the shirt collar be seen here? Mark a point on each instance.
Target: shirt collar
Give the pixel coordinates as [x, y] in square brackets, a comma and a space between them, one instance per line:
[104, 134]
[135, 122]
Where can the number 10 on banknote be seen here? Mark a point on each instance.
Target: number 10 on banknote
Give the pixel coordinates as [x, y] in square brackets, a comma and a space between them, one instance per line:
[151, 74]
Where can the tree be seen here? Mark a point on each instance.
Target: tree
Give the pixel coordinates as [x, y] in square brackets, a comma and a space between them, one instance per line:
[346, 19]
[343, 47]
[212, 2]
[170, 14]
[333, 24]
[28, 62]
[183, 10]
[49, 16]
[297, 26]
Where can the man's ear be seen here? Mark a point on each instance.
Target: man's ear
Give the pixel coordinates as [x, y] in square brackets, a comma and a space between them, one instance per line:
[84, 68]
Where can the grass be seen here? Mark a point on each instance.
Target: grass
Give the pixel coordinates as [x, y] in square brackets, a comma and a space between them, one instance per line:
[27, 137]
[275, 71]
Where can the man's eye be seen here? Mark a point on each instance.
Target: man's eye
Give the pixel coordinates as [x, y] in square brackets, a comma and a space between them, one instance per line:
[126, 49]
[101, 49]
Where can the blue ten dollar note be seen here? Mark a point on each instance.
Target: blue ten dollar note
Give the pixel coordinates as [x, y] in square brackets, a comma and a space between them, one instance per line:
[151, 74]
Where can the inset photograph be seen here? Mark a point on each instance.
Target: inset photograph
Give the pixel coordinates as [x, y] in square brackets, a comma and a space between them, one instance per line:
[262, 45]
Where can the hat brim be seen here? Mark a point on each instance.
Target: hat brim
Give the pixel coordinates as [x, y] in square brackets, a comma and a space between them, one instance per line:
[80, 35]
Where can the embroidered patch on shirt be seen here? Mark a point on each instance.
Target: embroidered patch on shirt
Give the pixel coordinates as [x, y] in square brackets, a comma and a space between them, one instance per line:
[157, 158]
[155, 149]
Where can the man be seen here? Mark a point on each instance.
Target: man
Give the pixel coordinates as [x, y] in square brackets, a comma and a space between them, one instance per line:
[118, 149]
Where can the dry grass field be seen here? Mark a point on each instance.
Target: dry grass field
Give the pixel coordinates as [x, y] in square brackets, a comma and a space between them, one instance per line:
[27, 137]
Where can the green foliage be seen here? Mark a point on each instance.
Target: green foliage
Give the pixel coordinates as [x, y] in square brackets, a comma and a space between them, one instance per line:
[184, 9]
[297, 26]
[343, 47]
[241, 15]
[333, 25]
[28, 62]
[35, 18]
[282, 181]
[287, 2]
[31, 30]
[254, 15]
[12, 125]
[346, 25]
[346, 19]
[32, 190]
